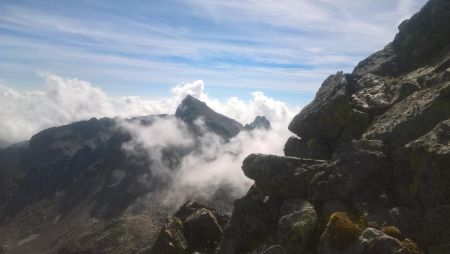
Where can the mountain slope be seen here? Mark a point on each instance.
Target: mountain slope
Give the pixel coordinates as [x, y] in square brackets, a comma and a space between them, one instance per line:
[71, 185]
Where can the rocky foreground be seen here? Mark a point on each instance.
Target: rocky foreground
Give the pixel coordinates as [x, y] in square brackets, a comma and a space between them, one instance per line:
[369, 169]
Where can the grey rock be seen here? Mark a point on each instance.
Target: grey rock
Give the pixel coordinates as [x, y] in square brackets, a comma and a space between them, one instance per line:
[330, 112]
[383, 63]
[380, 93]
[424, 37]
[282, 176]
[421, 40]
[412, 117]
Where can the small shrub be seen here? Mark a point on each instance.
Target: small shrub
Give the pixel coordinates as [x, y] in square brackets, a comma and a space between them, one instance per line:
[343, 230]
[393, 232]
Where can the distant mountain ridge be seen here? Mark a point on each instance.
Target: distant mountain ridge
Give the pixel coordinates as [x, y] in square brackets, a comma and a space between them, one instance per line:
[76, 180]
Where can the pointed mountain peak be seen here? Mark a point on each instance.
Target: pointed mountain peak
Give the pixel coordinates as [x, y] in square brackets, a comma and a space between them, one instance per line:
[260, 122]
[192, 108]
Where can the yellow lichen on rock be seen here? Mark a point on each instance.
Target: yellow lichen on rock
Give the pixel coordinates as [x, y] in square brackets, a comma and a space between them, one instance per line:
[393, 232]
[343, 230]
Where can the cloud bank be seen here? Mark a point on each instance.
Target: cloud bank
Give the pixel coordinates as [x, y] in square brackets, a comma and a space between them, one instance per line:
[65, 100]
[211, 169]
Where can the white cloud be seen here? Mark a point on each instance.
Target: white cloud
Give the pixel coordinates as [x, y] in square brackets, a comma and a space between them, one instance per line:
[218, 165]
[210, 165]
[65, 100]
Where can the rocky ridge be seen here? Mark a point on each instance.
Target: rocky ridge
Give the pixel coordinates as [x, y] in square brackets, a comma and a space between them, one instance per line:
[369, 168]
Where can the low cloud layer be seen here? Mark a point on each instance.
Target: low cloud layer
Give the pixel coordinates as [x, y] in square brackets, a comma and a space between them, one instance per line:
[211, 164]
[64, 100]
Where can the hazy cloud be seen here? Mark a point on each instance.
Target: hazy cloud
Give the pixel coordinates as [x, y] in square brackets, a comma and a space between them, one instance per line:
[211, 164]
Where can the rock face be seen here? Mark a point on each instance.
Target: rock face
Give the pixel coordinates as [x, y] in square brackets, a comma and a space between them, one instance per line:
[368, 169]
[422, 40]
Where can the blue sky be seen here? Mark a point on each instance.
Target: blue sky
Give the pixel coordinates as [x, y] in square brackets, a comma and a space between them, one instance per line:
[284, 48]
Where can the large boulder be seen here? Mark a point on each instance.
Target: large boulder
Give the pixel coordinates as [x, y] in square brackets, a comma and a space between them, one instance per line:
[202, 231]
[282, 176]
[330, 117]
[330, 110]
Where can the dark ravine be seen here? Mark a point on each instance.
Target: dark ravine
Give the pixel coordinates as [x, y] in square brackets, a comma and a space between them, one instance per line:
[369, 168]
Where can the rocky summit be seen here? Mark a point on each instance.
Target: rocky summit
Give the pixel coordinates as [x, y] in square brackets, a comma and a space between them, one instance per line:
[368, 170]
